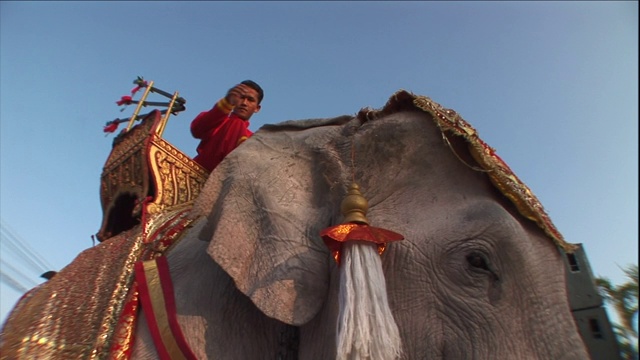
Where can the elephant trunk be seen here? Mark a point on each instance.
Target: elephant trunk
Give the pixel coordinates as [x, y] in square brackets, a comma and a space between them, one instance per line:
[366, 328]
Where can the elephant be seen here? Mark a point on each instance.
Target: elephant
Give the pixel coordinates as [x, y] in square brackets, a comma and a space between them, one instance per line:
[472, 279]
[477, 272]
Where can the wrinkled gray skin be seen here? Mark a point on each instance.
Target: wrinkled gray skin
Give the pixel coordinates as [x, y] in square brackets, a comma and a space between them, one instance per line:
[472, 280]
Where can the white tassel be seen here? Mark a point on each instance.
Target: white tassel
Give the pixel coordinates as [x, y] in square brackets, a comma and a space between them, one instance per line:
[366, 328]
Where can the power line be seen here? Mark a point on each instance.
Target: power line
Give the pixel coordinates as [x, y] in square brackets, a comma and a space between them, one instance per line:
[24, 244]
[10, 243]
[21, 278]
[23, 250]
[5, 278]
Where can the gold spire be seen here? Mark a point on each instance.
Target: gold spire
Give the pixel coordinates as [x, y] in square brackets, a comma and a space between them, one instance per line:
[354, 206]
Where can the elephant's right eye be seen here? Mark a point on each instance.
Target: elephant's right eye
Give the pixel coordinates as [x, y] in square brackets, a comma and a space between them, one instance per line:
[478, 261]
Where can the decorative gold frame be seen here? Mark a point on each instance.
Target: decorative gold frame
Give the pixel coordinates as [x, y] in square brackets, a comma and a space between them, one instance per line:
[145, 176]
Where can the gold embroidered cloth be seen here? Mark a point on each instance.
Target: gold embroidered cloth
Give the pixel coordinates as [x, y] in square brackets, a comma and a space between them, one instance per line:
[75, 314]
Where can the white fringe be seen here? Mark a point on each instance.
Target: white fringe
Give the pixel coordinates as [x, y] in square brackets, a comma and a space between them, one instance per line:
[366, 328]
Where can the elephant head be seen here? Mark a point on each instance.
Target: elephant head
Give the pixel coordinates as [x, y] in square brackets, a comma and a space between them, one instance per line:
[478, 275]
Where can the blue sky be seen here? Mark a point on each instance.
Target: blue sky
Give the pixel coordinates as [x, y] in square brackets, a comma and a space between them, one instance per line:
[552, 86]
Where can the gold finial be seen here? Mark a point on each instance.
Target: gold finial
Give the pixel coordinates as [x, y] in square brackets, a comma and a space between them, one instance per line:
[354, 206]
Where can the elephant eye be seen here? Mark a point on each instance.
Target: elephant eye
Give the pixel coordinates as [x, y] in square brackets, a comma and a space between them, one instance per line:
[479, 261]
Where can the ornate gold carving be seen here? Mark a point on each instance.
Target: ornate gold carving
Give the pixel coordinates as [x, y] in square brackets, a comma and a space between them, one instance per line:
[125, 172]
[178, 178]
[129, 142]
[142, 164]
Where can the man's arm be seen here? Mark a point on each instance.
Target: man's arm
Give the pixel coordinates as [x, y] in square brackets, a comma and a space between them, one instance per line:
[206, 121]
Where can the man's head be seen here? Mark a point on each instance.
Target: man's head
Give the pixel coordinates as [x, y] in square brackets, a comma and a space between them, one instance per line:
[245, 98]
[252, 84]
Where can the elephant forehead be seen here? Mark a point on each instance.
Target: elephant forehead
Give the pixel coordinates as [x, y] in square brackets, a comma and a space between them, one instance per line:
[420, 205]
[450, 124]
[404, 152]
[463, 218]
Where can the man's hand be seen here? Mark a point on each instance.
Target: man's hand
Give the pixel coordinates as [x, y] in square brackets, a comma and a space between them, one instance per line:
[236, 93]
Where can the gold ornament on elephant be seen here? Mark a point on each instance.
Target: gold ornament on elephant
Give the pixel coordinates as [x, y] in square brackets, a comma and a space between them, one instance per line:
[356, 226]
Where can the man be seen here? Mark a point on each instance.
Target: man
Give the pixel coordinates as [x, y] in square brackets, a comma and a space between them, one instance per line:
[226, 125]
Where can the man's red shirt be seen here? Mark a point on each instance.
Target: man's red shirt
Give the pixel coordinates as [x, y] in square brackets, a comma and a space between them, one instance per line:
[220, 131]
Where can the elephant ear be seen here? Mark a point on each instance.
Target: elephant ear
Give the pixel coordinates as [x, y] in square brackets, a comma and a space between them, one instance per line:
[265, 206]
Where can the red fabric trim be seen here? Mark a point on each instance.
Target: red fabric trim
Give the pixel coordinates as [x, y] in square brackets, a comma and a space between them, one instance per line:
[156, 317]
[171, 236]
[335, 236]
[147, 307]
[162, 240]
[170, 304]
[124, 333]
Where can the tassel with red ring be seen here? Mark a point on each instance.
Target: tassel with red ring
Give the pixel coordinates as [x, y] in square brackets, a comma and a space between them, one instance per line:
[356, 226]
[365, 327]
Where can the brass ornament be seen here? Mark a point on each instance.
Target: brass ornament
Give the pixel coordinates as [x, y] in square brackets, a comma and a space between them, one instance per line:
[355, 226]
[354, 206]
